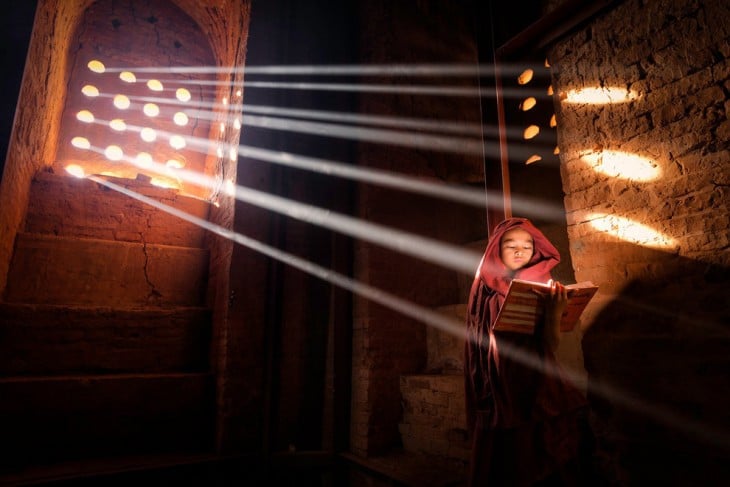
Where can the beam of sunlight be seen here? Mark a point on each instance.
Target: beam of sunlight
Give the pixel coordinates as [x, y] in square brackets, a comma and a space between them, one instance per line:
[431, 250]
[408, 308]
[460, 145]
[522, 204]
[416, 70]
[451, 126]
[445, 323]
[630, 231]
[601, 95]
[623, 165]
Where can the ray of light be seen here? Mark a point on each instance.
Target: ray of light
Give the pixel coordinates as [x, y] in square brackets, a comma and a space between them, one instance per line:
[428, 249]
[460, 145]
[452, 126]
[416, 70]
[447, 324]
[521, 204]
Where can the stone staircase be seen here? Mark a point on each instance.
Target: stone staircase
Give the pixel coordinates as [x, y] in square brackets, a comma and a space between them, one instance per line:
[434, 414]
[104, 331]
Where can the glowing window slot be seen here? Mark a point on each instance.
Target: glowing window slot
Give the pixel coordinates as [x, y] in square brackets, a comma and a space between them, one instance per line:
[96, 66]
[155, 85]
[114, 153]
[85, 116]
[118, 125]
[148, 134]
[151, 110]
[143, 159]
[81, 143]
[528, 103]
[177, 142]
[90, 90]
[531, 132]
[525, 77]
[532, 159]
[180, 119]
[127, 77]
[121, 102]
[182, 94]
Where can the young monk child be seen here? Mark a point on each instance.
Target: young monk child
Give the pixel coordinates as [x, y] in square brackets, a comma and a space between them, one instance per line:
[526, 420]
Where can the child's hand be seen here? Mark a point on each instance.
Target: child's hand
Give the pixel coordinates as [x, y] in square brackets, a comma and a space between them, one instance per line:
[555, 305]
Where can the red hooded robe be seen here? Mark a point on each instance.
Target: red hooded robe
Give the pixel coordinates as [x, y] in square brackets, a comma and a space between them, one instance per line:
[521, 411]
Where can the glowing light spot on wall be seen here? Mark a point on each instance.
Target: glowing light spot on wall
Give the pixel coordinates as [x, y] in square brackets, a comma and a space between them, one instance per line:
[151, 109]
[525, 77]
[85, 116]
[75, 170]
[114, 153]
[148, 134]
[118, 125]
[237, 124]
[121, 102]
[233, 153]
[622, 165]
[127, 77]
[550, 90]
[180, 119]
[600, 95]
[143, 159]
[222, 127]
[182, 94]
[229, 188]
[533, 159]
[177, 142]
[238, 93]
[164, 183]
[90, 90]
[175, 164]
[547, 63]
[81, 143]
[553, 121]
[531, 132]
[556, 151]
[219, 152]
[225, 101]
[155, 85]
[528, 103]
[96, 66]
[630, 231]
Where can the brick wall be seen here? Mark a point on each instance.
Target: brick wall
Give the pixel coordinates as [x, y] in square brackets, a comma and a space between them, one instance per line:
[656, 343]
[387, 344]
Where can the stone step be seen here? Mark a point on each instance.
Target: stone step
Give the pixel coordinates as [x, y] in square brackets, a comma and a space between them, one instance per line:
[434, 416]
[47, 269]
[71, 207]
[46, 420]
[53, 340]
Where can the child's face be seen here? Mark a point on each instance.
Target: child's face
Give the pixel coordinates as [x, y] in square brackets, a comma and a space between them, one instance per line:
[516, 249]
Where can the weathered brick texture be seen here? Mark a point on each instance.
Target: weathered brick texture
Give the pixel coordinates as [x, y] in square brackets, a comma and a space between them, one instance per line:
[656, 339]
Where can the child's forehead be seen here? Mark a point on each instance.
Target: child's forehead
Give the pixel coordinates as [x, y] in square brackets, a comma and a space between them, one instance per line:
[515, 235]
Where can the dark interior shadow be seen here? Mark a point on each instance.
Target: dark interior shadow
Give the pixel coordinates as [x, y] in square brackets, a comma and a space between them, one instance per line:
[658, 359]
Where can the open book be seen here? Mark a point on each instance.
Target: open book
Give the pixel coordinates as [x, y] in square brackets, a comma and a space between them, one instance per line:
[524, 305]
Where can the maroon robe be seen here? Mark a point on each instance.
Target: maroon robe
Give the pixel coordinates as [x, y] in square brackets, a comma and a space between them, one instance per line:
[522, 413]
